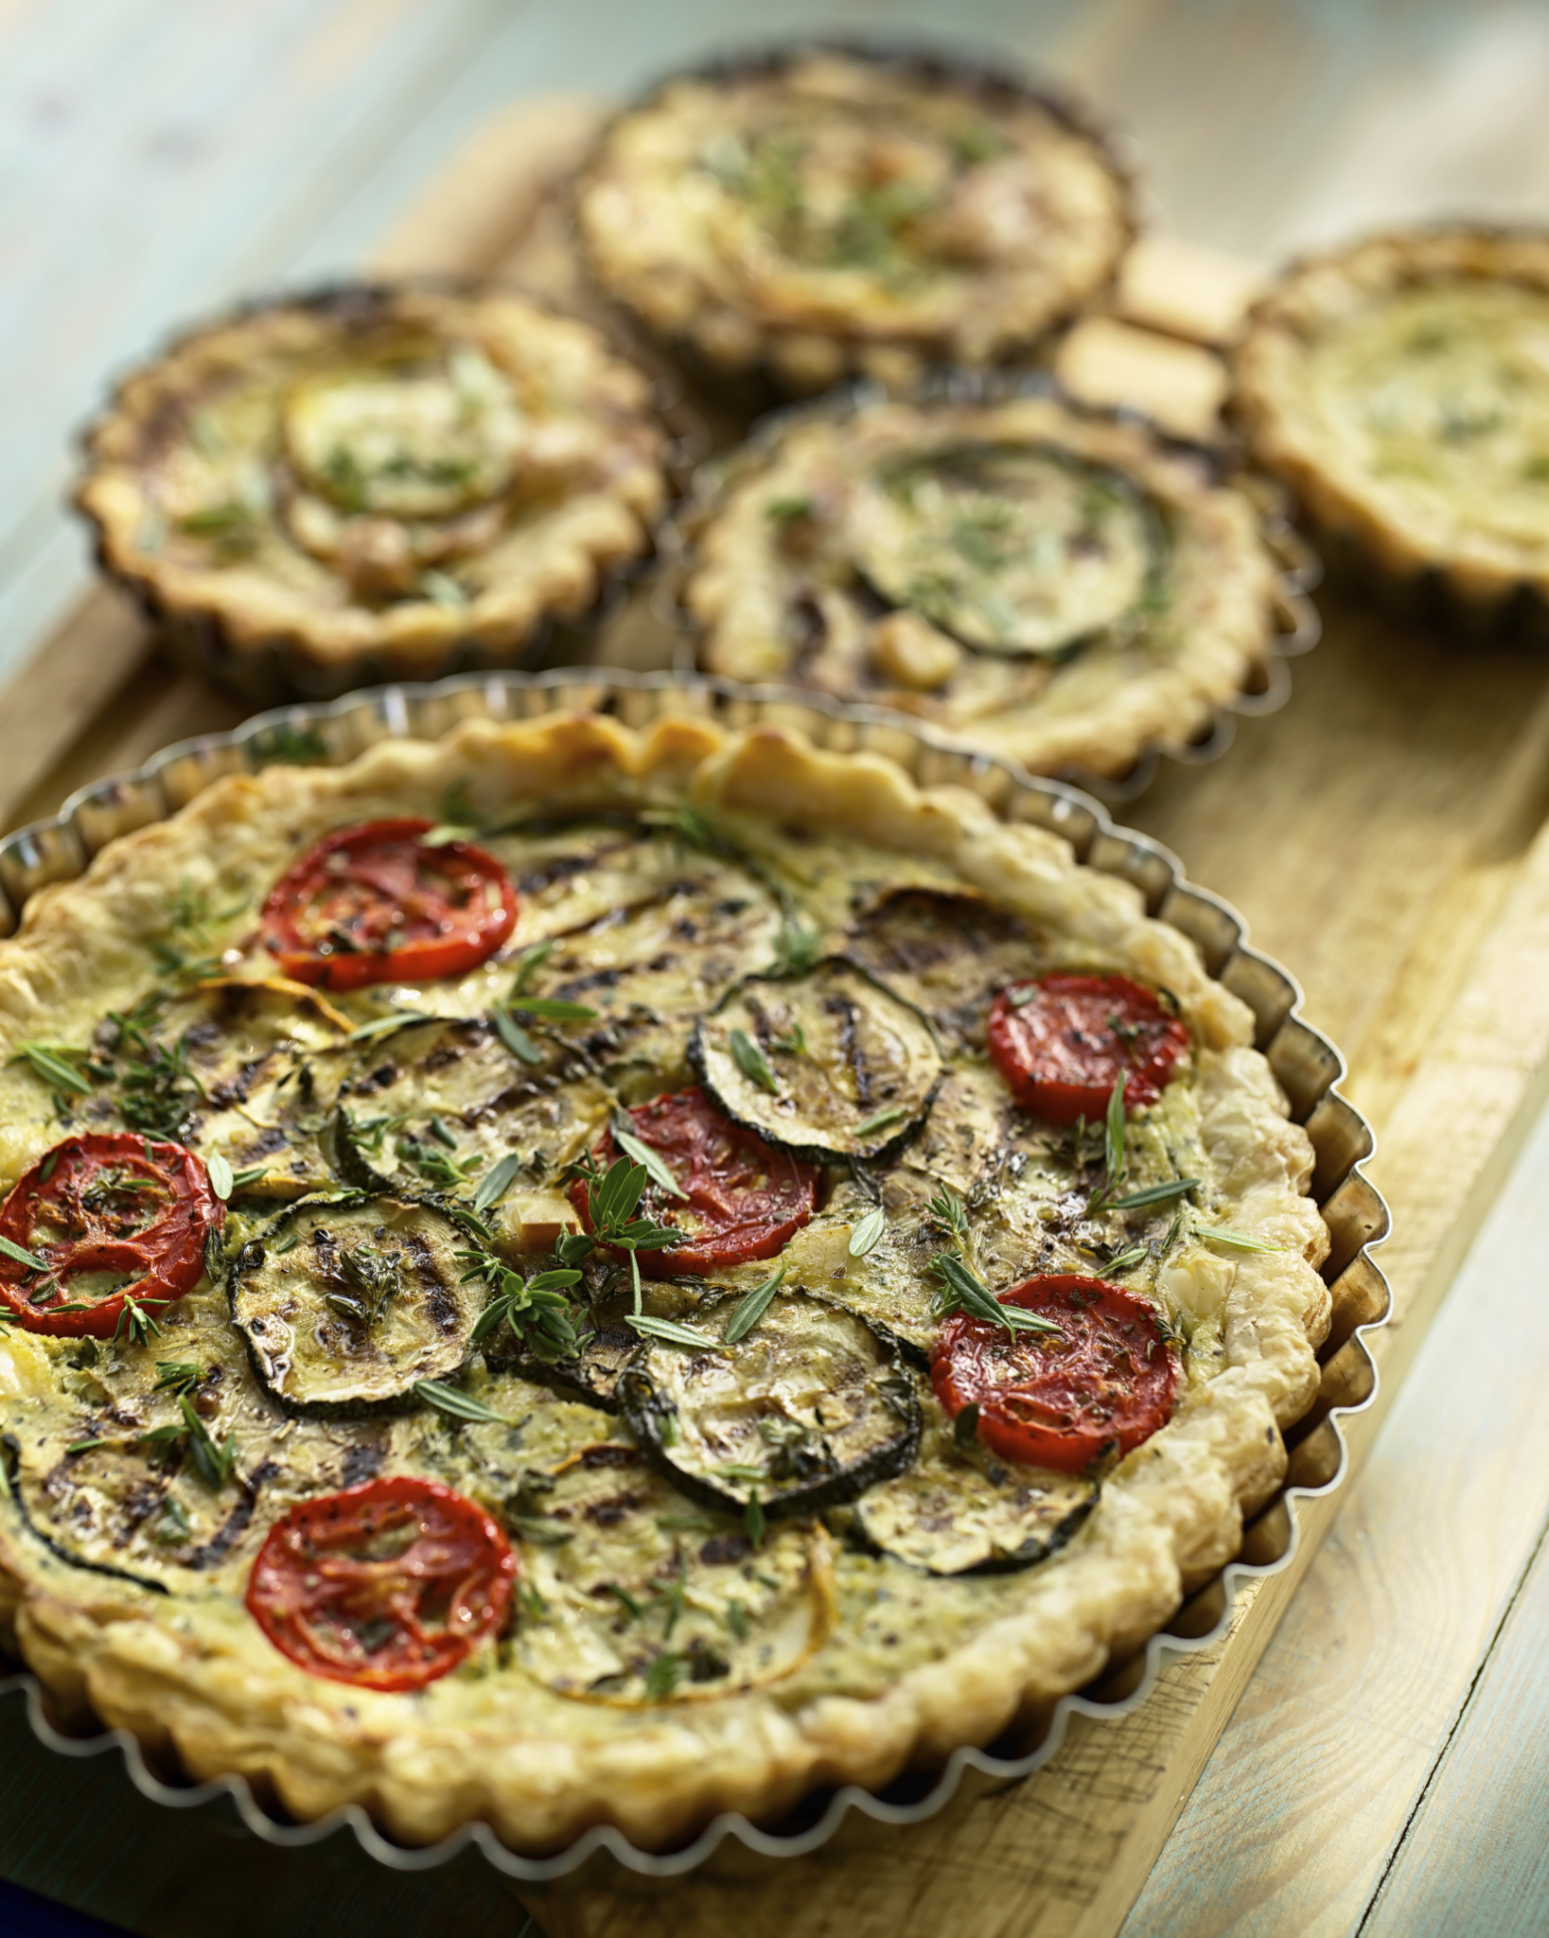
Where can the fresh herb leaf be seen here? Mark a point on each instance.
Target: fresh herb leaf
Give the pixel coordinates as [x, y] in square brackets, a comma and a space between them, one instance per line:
[663, 1676]
[135, 1318]
[881, 1120]
[753, 1519]
[29, 1259]
[625, 1600]
[551, 1009]
[753, 1308]
[796, 947]
[222, 1177]
[381, 1025]
[1156, 1194]
[642, 1153]
[866, 1234]
[1114, 1159]
[529, 965]
[176, 1375]
[752, 1062]
[948, 1209]
[1126, 1260]
[1236, 1241]
[454, 1404]
[672, 1332]
[56, 1067]
[515, 1038]
[497, 1181]
[962, 1292]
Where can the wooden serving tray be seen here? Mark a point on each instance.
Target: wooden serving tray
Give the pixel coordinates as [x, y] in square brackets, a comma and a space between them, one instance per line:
[1383, 834]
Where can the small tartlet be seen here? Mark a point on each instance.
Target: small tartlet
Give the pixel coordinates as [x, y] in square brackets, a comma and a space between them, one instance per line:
[1400, 388]
[1059, 586]
[376, 479]
[824, 210]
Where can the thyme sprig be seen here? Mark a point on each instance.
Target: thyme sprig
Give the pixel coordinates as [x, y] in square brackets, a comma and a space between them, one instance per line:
[961, 1291]
[612, 1198]
[536, 1309]
[214, 1464]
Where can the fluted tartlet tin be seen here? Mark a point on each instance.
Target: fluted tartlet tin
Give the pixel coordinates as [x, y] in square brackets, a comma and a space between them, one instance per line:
[1293, 625]
[242, 624]
[1306, 1064]
[780, 361]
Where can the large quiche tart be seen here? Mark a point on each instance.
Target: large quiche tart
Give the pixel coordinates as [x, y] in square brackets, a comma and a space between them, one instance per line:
[575, 1276]
[1056, 585]
[1400, 386]
[829, 209]
[380, 479]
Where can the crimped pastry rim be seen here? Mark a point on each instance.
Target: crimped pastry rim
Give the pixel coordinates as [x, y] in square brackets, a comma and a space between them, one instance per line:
[392, 710]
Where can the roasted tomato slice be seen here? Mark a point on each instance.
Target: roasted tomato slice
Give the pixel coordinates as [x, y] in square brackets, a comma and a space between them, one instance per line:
[742, 1199]
[1105, 1384]
[388, 1585]
[109, 1218]
[374, 904]
[1062, 1043]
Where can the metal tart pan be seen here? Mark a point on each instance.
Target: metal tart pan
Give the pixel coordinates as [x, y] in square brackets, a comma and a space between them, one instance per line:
[1266, 684]
[1308, 1067]
[281, 668]
[756, 387]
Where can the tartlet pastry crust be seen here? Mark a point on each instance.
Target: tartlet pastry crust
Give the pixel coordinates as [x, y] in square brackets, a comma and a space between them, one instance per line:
[824, 210]
[189, 1672]
[1160, 606]
[1400, 388]
[376, 478]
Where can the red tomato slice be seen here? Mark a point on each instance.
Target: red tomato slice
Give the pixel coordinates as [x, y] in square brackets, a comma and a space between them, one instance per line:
[1107, 1383]
[1063, 1042]
[105, 1205]
[388, 1585]
[374, 904]
[744, 1198]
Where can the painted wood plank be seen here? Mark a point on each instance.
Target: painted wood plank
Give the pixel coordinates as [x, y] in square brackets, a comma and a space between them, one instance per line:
[1474, 1857]
[1315, 1777]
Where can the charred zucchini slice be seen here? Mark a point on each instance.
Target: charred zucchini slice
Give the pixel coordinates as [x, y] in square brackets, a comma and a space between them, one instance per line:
[948, 952]
[346, 1303]
[958, 1510]
[1009, 548]
[830, 1065]
[632, 1596]
[805, 1411]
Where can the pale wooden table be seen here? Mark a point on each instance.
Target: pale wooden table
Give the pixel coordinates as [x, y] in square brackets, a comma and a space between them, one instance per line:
[162, 157]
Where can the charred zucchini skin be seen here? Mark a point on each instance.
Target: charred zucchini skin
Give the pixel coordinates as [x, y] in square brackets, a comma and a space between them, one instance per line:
[1010, 1562]
[345, 1156]
[252, 1257]
[10, 1459]
[888, 1145]
[652, 1417]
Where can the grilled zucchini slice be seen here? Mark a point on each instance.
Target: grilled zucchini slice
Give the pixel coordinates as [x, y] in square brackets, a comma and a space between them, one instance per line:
[831, 1066]
[346, 1303]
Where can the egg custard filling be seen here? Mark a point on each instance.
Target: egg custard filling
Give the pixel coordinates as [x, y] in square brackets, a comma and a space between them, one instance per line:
[574, 1275]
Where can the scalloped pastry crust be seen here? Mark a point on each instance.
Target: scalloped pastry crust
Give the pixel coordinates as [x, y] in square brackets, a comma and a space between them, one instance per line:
[190, 1673]
[1400, 387]
[382, 474]
[786, 601]
[825, 210]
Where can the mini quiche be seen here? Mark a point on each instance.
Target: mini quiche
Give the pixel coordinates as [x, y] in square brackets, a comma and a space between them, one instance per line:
[374, 480]
[572, 1276]
[1060, 587]
[825, 210]
[1401, 388]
